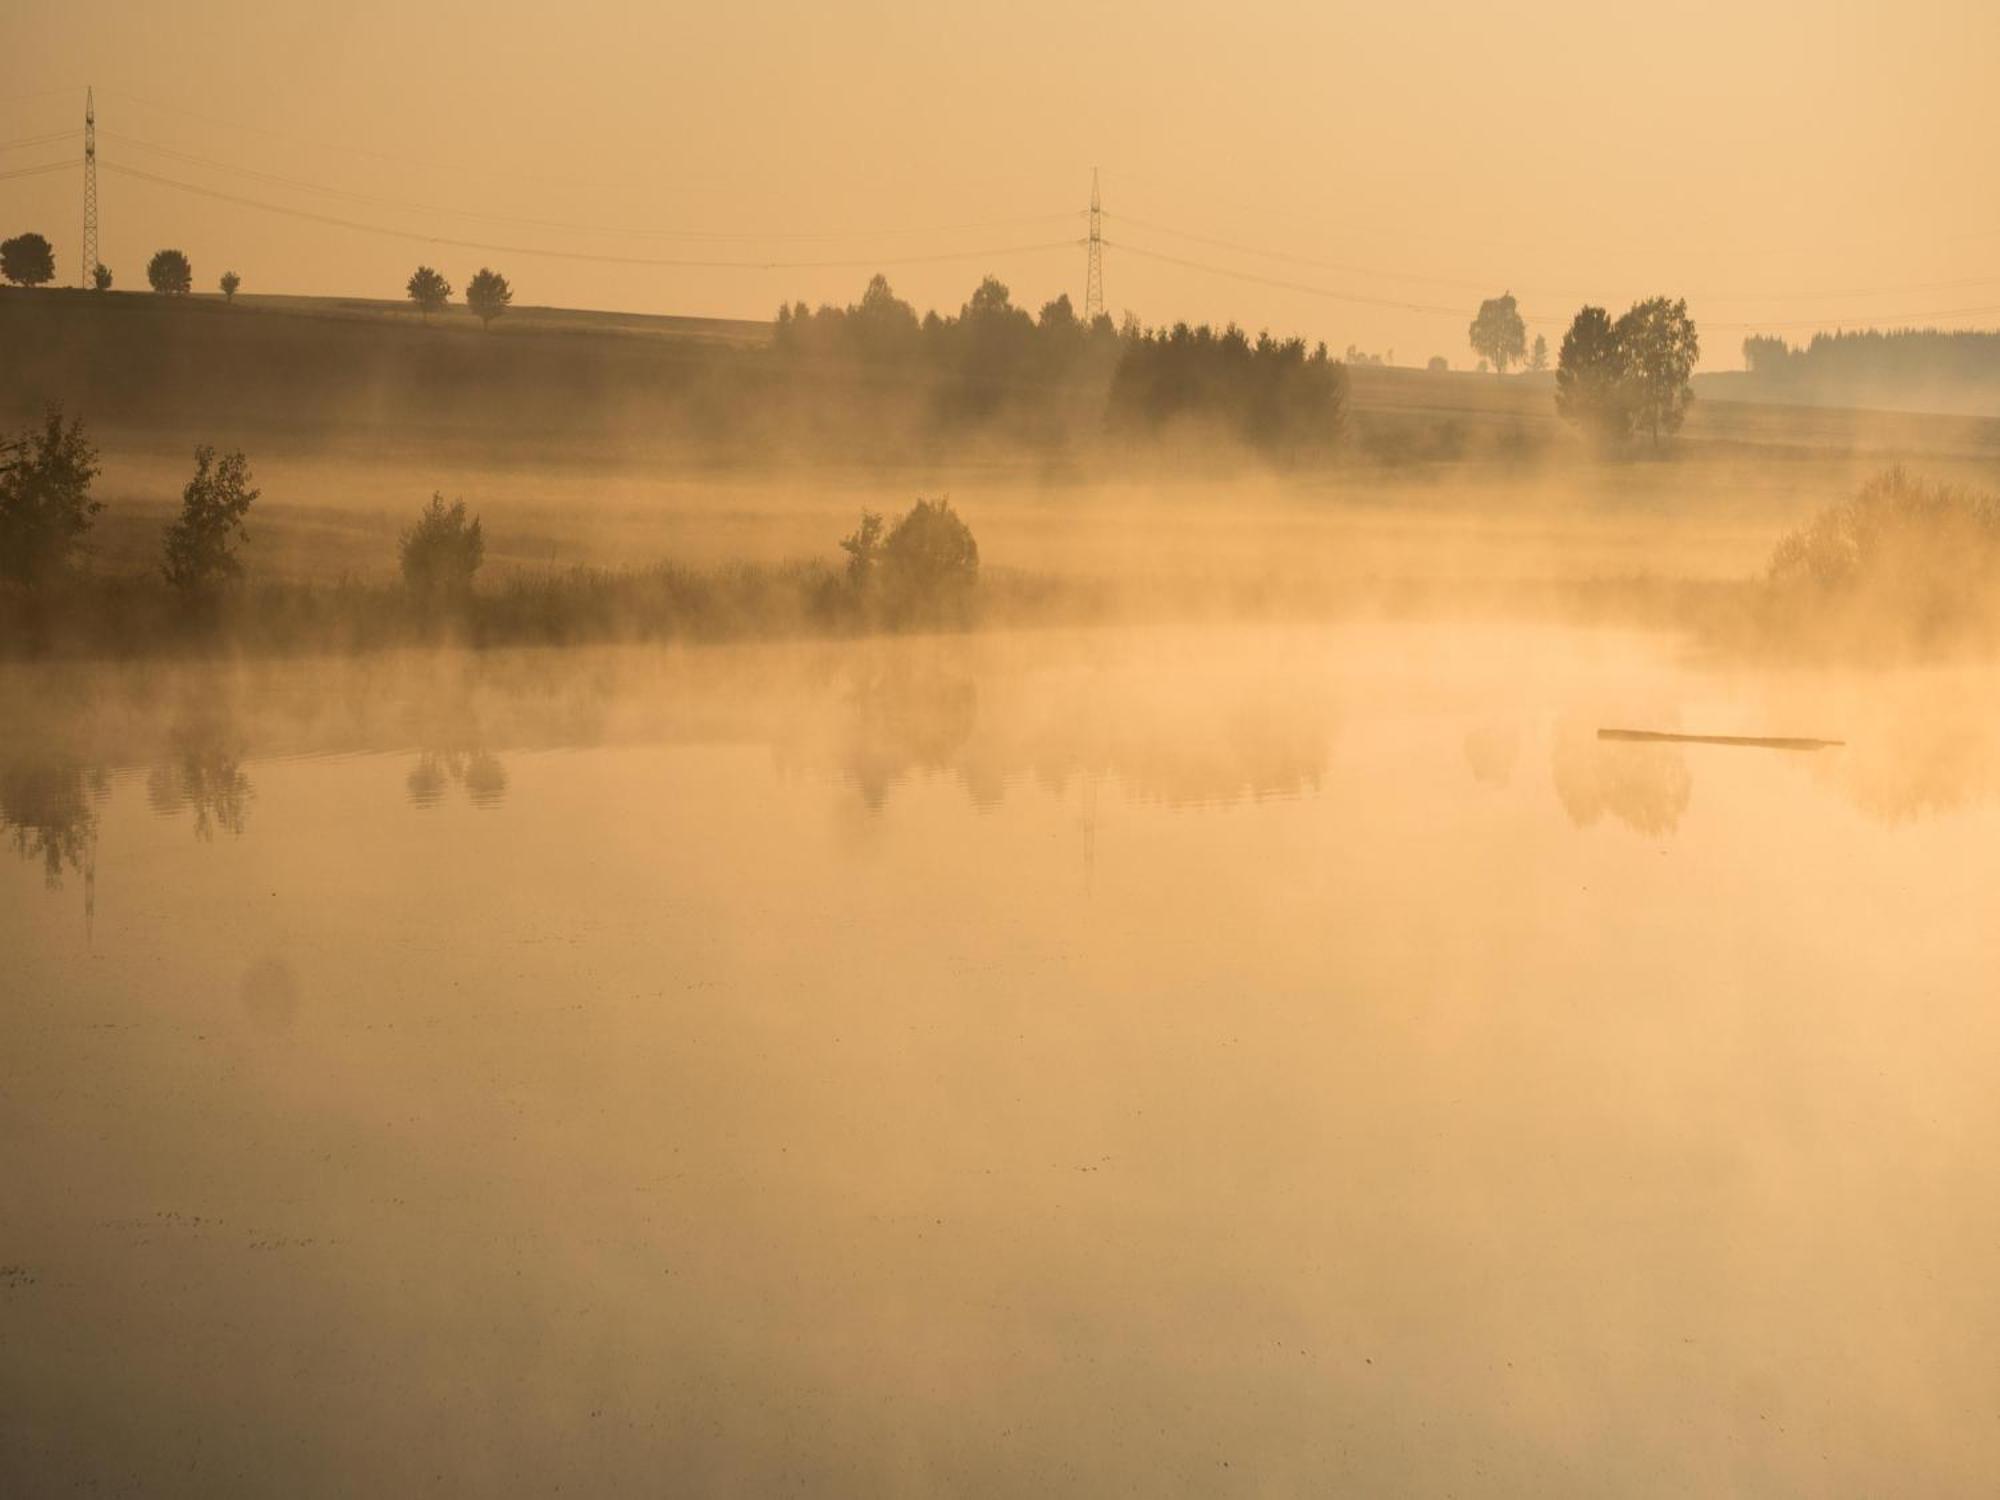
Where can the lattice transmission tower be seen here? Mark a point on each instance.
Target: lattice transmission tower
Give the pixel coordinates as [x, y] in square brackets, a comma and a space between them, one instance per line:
[89, 188]
[1093, 277]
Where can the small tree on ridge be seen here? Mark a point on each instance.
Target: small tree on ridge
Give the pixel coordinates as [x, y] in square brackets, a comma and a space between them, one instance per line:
[488, 295]
[169, 273]
[429, 290]
[1498, 332]
[27, 260]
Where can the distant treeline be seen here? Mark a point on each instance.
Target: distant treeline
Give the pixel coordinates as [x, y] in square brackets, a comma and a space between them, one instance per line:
[868, 381]
[1873, 361]
[1053, 373]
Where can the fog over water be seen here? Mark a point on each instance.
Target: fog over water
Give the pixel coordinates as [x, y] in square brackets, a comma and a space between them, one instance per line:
[1256, 1059]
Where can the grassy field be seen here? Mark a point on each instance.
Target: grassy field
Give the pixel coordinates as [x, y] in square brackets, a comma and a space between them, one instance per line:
[578, 437]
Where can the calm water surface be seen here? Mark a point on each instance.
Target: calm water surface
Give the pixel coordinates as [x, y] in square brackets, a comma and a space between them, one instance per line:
[1221, 1061]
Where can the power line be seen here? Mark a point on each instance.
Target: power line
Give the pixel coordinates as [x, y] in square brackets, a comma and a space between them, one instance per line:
[45, 139]
[678, 263]
[1873, 319]
[54, 166]
[406, 205]
[1486, 283]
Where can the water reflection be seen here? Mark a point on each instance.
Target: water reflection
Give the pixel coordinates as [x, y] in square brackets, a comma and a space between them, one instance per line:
[201, 768]
[1187, 732]
[1647, 787]
[451, 737]
[48, 807]
[478, 771]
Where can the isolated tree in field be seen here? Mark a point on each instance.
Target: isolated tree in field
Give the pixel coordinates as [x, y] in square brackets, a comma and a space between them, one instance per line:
[1498, 334]
[442, 552]
[1438, 364]
[488, 295]
[100, 277]
[1590, 377]
[229, 283]
[27, 260]
[200, 548]
[429, 290]
[45, 504]
[1658, 347]
[169, 273]
[1538, 357]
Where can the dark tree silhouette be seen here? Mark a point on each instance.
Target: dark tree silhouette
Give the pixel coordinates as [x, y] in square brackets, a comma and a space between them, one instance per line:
[45, 504]
[27, 260]
[863, 548]
[429, 290]
[229, 283]
[442, 552]
[1538, 357]
[1498, 334]
[1438, 364]
[1657, 347]
[169, 273]
[1272, 395]
[488, 295]
[1763, 355]
[929, 562]
[200, 548]
[1590, 377]
[100, 277]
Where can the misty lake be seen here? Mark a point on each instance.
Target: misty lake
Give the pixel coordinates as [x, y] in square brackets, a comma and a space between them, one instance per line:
[1275, 1060]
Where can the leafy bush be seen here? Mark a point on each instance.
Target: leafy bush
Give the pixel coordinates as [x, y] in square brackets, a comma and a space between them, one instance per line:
[1904, 557]
[45, 504]
[442, 551]
[200, 547]
[923, 569]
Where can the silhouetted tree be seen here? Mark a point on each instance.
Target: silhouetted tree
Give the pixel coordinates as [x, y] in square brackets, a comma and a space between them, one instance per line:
[1498, 332]
[229, 283]
[929, 561]
[1658, 347]
[1590, 377]
[1763, 355]
[488, 295]
[100, 277]
[863, 547]
[442, 552]
[169, 273]
[200, 548]
[45, 504]
[1271, 394]
[1538, 357]
[27, 260]
[1438, 364]
[429, 290]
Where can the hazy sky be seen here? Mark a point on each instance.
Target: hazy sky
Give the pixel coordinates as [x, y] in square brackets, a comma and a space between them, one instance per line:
[1785, 164]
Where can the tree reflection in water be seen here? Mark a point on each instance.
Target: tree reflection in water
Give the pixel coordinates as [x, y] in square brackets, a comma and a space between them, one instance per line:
[48, 807]
[201, 768]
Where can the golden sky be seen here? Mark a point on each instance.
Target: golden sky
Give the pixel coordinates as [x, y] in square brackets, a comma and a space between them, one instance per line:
[1785, 165]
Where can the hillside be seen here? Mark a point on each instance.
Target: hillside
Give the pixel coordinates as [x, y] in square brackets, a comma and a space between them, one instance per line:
[283, 372]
